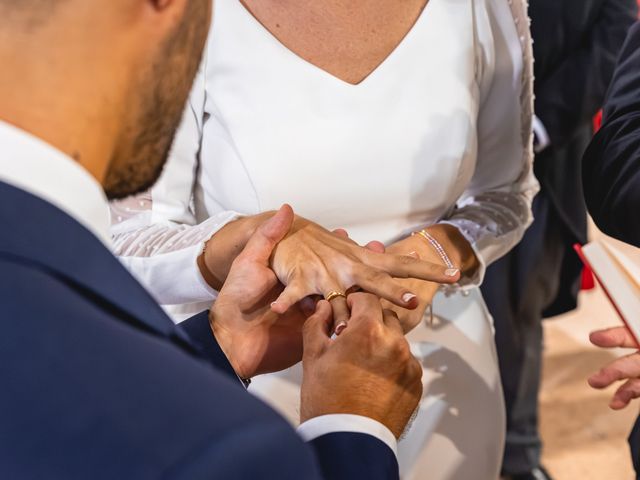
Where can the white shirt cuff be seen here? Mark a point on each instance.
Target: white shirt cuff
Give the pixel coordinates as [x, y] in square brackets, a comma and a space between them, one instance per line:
[334, 423]
[541, 135]
[172, 278]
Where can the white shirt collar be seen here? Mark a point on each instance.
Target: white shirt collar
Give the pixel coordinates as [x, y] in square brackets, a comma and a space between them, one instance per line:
[28, 163]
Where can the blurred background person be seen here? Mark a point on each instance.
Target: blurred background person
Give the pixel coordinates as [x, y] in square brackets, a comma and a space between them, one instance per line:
[576, 43]
[381, 117]
[611, 178]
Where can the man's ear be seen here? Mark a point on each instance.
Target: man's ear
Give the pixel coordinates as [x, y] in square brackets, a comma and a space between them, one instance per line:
[161, 4]
[165, 12]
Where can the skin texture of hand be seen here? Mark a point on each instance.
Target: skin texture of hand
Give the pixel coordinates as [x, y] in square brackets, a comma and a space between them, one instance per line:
[314, 261]
[459, 252]
[255, 339]
[625, 369]
[425, 291]
[311, 260]
[368, 370]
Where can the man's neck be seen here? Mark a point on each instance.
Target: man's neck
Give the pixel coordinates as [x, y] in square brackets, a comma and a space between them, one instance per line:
[66, 98]
[78, 137]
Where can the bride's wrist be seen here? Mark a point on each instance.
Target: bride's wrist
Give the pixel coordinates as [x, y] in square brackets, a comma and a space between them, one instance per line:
[455, 246]
[224, 246]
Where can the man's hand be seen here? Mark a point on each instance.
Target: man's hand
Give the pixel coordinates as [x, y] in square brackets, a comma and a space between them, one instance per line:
[254, 338]
[624, 368]
[368, 370]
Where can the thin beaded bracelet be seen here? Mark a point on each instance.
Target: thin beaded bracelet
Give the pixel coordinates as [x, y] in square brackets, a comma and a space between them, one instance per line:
[437, 246]
[443, 255]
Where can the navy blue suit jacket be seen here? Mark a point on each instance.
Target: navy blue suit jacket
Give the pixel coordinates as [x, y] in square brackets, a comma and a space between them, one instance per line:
[96, 381]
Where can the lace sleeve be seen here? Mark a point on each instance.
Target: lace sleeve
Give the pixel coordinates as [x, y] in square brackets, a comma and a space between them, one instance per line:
[495, 211]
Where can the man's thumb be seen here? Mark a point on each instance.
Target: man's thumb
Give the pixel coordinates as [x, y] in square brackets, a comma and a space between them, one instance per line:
[266, 237]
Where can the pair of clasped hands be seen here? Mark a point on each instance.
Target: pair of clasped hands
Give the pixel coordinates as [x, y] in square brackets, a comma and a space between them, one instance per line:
[267, 316]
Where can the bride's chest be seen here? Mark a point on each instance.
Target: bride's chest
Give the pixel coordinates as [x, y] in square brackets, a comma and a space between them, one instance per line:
[345, 38]
[401, 141]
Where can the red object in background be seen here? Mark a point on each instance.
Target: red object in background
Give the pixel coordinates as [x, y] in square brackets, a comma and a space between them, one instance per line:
[588, 279]
[597, 120]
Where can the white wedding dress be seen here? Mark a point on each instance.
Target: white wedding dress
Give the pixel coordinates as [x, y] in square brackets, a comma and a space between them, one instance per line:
[439, 132]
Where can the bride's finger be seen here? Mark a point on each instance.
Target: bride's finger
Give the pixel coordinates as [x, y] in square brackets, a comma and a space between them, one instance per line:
[384, 286]
[375, 246]
[292, 294]
[340, 309]
[407, 266]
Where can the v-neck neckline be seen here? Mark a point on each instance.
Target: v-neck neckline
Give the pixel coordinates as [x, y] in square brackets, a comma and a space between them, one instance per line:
[369, 77]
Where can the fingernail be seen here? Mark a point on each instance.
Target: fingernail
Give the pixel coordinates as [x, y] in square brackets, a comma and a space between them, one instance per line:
[452, 272]
[413, 254]
[407, 297]
[340, 328]
[273, 304]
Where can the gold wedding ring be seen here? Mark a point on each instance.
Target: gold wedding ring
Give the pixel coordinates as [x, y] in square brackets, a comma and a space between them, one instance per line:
[333, 295]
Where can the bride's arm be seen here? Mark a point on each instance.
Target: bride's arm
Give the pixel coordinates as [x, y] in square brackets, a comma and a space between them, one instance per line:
[495, 210]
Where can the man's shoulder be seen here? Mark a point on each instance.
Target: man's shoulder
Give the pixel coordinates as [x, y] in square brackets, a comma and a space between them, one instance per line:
[82, 387]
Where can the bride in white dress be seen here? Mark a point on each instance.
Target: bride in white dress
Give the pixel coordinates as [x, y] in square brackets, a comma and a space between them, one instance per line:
[434, 133]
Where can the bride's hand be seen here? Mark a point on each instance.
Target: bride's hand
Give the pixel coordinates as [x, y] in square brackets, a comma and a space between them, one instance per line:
[457, 249]
[311, 260]
[425, 291]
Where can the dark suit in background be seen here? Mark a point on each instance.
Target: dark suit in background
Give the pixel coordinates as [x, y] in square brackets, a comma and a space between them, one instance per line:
[97, 382]
[576, 43]
[611, 171]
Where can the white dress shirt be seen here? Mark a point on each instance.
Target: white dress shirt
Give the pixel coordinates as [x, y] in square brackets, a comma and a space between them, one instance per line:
[40, 169]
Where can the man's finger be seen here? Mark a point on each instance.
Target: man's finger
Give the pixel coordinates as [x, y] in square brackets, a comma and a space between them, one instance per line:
[613, 337]
[364, 307]
[392, 322]
[627, 392]
[317, 330]
[266, 237]
[620, 369]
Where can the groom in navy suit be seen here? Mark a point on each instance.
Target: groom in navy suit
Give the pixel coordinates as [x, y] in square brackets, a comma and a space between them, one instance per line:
[95, 380]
